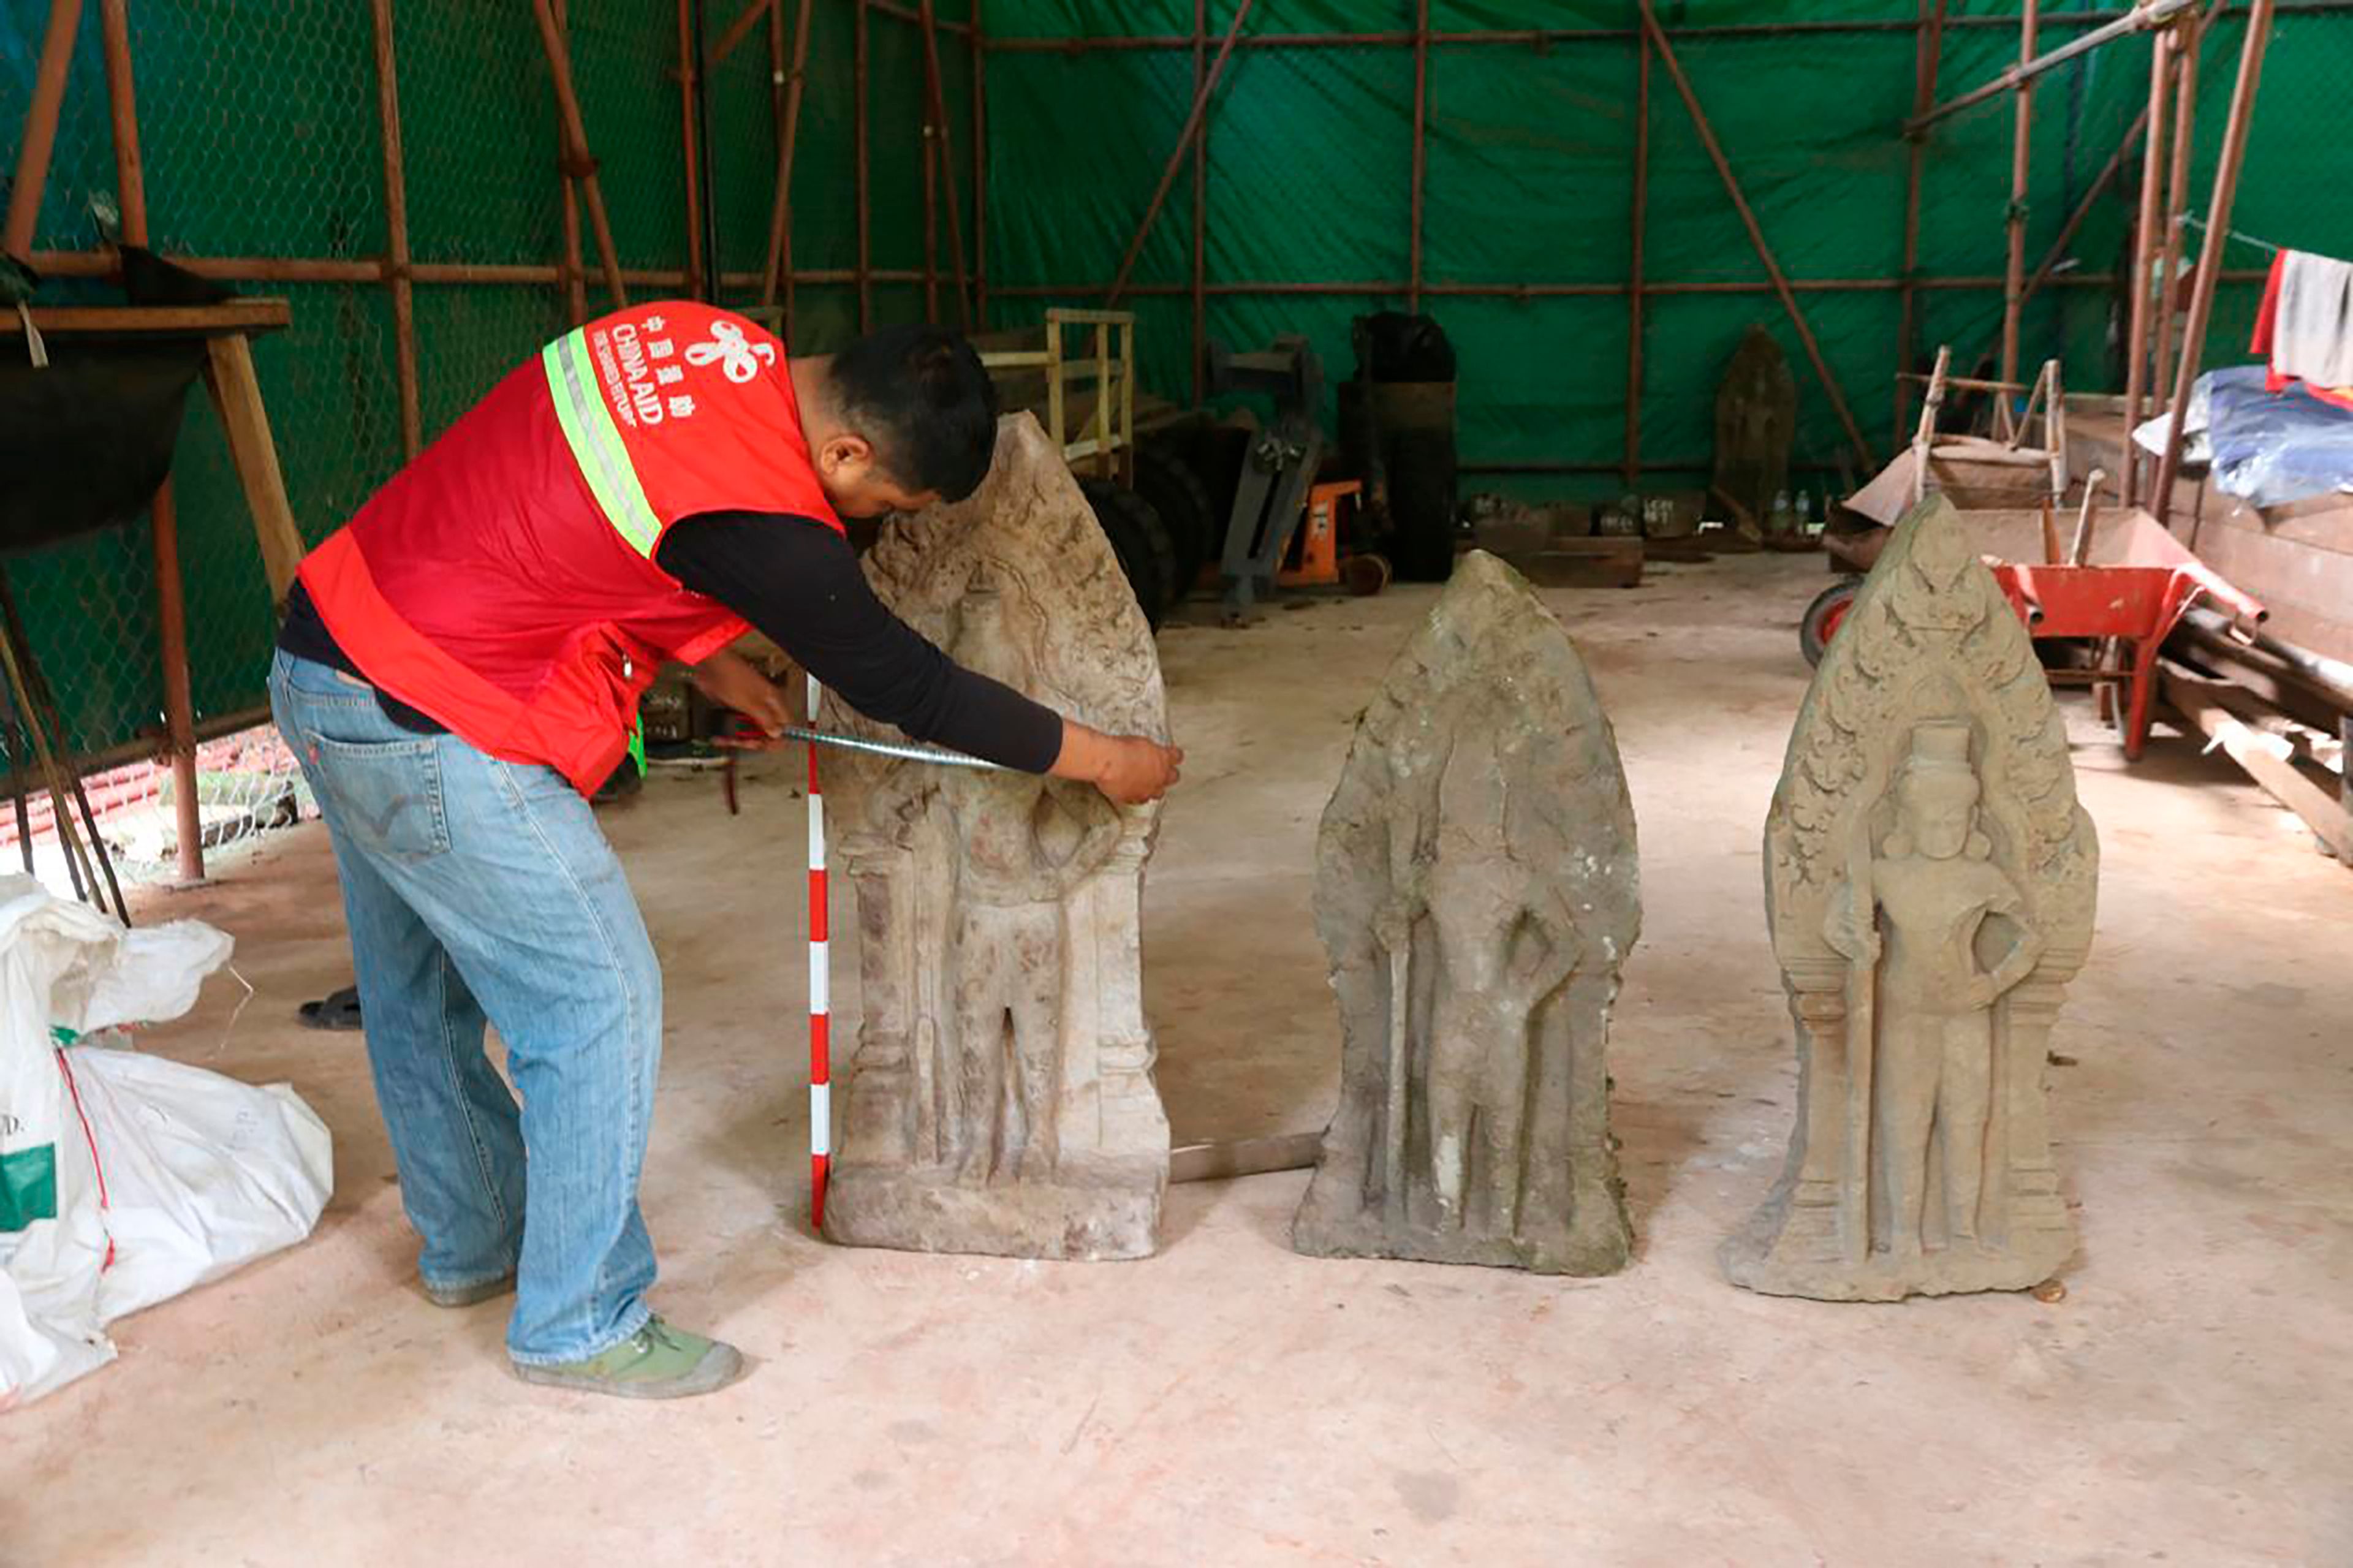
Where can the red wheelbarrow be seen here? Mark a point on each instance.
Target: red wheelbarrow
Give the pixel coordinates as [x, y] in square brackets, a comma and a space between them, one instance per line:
[2129, 585]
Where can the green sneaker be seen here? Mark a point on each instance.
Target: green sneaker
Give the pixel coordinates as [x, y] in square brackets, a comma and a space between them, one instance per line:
[467, 1295]
[657, 1362]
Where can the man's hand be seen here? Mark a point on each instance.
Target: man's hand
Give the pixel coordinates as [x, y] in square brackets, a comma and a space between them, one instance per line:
[1130, 768]
[728, 679]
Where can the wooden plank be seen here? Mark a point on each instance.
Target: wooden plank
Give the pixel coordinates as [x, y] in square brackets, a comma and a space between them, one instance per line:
[1609, 561]
[236, 396]
[2316, 522]
[2265, 757]
[2281, 572]
[240, 316]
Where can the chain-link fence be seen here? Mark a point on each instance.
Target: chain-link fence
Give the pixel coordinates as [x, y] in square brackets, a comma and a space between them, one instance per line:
[262, 134]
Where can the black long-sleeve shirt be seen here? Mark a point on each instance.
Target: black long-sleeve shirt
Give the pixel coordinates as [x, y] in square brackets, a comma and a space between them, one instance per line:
[798, 581]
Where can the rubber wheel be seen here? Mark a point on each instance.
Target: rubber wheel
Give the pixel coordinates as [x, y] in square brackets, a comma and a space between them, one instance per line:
[1139, 541]
[1825, 615]
[1421, 506]
[1178, 494]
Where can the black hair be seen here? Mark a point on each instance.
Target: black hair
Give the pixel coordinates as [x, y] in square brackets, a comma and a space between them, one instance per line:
[921, 397]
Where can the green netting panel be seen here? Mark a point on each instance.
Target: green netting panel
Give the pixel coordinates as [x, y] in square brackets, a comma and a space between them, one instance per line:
[477, 131]
[1528, 180]
[624, 67]
[89, 608]
[1067, 178]
[260, 139]
[276, 102]
[1302, 164]
[1530, 164]
[1551, 377]
[825, 186]
[824, 317]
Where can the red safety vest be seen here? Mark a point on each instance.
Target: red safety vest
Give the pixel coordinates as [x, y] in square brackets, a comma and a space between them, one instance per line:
[504, 582]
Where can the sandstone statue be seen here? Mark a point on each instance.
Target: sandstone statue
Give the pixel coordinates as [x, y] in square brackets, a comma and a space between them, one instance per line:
[1001, 1099]
[1756, 424]
[1476, 890]
[1929, 881]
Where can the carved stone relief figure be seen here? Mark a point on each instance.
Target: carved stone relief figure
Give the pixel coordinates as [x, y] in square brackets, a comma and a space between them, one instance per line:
[1001, 1097]
[1476, 889]
[1929, 881]
[1755, 422]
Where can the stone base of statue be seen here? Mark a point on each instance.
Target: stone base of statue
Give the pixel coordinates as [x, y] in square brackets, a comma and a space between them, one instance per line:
[1104, 1210]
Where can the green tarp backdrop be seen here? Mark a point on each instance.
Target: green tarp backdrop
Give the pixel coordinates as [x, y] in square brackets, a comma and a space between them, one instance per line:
[260, 137]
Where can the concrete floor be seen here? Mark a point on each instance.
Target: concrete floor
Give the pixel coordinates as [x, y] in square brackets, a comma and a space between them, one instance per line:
[1231, 1401]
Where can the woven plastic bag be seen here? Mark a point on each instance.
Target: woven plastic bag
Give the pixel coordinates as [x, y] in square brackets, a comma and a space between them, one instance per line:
[124, 1178]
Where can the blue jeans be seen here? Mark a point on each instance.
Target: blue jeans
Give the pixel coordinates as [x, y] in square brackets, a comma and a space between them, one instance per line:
[478, 889]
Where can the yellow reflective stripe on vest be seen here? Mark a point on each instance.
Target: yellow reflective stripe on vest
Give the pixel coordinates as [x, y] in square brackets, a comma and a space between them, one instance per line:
[595, 442]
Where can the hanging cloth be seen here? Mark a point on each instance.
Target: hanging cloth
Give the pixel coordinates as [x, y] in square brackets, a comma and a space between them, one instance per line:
[2305, 328]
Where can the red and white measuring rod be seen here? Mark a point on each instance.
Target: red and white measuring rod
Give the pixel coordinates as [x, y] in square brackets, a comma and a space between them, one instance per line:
[819, 988]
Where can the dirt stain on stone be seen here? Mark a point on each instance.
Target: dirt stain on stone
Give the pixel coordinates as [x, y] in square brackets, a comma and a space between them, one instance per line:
[1430, 1495]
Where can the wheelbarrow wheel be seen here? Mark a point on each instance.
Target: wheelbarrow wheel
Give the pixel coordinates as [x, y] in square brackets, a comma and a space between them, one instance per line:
[1822, 618]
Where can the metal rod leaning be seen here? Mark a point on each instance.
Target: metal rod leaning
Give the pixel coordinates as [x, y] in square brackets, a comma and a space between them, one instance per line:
[578, 163]
[1193, 122]
[1755, 233]
[2020, 77]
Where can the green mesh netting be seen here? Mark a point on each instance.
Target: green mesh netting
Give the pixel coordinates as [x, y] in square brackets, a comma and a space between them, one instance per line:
[259, 131]
[1529, 180]
[259, 136]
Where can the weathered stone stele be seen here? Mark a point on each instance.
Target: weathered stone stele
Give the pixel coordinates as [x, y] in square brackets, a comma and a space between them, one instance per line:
[1476, 890]
[1929, 879]
[1755, 422]
[1001, 1099]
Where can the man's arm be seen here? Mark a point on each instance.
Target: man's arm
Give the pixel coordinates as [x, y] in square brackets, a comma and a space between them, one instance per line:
[799, 583]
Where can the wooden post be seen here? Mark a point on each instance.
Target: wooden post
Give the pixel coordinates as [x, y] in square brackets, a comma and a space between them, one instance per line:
[577, 162]
[571, 277]
[2152, 179]
[1420, 148]
[858, 150]
[2265, 757]
[395, 222]
[2209, 257]
[1185, 140]
[253, 453]
[737, 31]
[1755, 233]
[688, 152]
[1200, 208]
[1927, 57]
[979, 172]
[1634, 300]
[931, 217]
[2013, 288]
[943, 145]
[780, 209]
[40, 135]
[2167, 283]
[777, 58]
[171, 601]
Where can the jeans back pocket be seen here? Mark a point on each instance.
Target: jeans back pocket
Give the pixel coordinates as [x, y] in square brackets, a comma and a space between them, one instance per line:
[384, 795]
